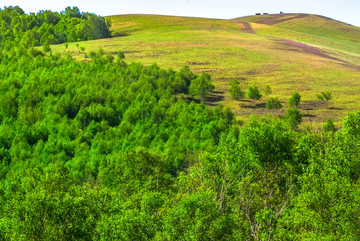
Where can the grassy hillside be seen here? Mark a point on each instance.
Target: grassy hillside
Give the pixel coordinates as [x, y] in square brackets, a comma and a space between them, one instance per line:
[328, 62]
[312, 29]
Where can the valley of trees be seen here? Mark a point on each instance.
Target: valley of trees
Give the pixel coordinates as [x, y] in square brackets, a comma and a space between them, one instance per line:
[108, 150]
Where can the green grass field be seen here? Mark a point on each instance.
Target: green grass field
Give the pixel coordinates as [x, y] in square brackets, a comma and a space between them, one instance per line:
[224, 50]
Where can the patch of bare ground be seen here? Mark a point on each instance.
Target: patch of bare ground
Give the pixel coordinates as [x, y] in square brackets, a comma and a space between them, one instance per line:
[198, 63]
[307, 49]
[278, 18]
[214, 98]
[252, 106]
[312, 104]
[245, 27]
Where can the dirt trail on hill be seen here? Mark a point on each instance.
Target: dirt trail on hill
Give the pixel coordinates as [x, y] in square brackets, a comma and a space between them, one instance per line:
[245, 27]
[307, 49]
[278, 18]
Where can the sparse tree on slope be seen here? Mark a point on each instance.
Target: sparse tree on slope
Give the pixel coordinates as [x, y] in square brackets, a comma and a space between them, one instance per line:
[201, 86]
[235, 90]
[253, 93]
[294, 100]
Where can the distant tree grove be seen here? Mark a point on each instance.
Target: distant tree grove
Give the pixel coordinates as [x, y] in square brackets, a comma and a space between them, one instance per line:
[109, 150]
[47, 27]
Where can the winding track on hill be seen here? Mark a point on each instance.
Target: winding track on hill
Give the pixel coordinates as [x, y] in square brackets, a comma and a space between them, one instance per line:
[245, 26]
[278, 18]
[308, 49]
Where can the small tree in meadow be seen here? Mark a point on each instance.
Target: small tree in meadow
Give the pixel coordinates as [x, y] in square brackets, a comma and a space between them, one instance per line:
[325, 96]
[273, 104]
[293, 117]
[120, 55]
[294, 100]
[235, 90]
[329, 126]
[253, 93]
[201, 86]
[267, 91]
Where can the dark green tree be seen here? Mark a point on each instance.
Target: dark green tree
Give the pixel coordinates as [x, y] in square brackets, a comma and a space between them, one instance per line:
[294, 100]
[329, 126]
[267, 91]
[201, 86]
[253, 93]
[273, 104]
[293, 117]
[235, 90]
[325, 96]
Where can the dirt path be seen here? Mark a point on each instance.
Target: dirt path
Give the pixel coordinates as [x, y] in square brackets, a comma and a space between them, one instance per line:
[278, 18]
[307, 49]
[245, 27]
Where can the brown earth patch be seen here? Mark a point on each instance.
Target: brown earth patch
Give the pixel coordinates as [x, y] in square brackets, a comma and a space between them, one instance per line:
[198, 63]
[307, 49]
[245, 27]
[312, 104]
[278, 18]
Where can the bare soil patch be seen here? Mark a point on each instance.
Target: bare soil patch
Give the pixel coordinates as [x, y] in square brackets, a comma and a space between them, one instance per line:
[198, 63]
[245, 27]
[308, 49]
[278, 18]
[312, 104]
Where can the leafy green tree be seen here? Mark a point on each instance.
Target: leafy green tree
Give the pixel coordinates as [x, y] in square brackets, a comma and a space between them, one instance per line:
[273, 104]
[267, 90]
[329, 126]
[293, 117]
[120, 55]
[294, 100]
[325, 96]
[201, 86]
[235, 90]
[253, 93]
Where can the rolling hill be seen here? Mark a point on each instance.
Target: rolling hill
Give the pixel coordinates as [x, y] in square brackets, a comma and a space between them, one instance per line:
[288, 52]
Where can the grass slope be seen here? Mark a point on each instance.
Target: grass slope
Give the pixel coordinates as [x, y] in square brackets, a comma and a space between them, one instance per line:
[225, 50]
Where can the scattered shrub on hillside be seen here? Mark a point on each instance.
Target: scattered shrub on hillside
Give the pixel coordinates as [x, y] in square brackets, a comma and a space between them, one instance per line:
[235, 90]
[273, 104]
[294, 100]
[201, 86]
[329, 126]
[293, 117]
[253, 93]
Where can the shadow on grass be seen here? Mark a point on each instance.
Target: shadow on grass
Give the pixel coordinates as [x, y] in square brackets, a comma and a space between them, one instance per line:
[213, 98]
[257, 106]
[336, 108]
[309, 115]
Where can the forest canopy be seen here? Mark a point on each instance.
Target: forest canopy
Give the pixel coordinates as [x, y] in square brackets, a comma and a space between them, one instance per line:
[107, 150]
[47, 27]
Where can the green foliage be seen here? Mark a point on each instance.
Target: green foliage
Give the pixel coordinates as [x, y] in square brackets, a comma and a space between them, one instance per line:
[267, 90]
[201, 86]
[120, 55]
[99, 150]
[273, 104]
[293, 117]
[324, 96]
[253, 93]
[294, 100]
[235, 90]
[46, 27]
[329, 126]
